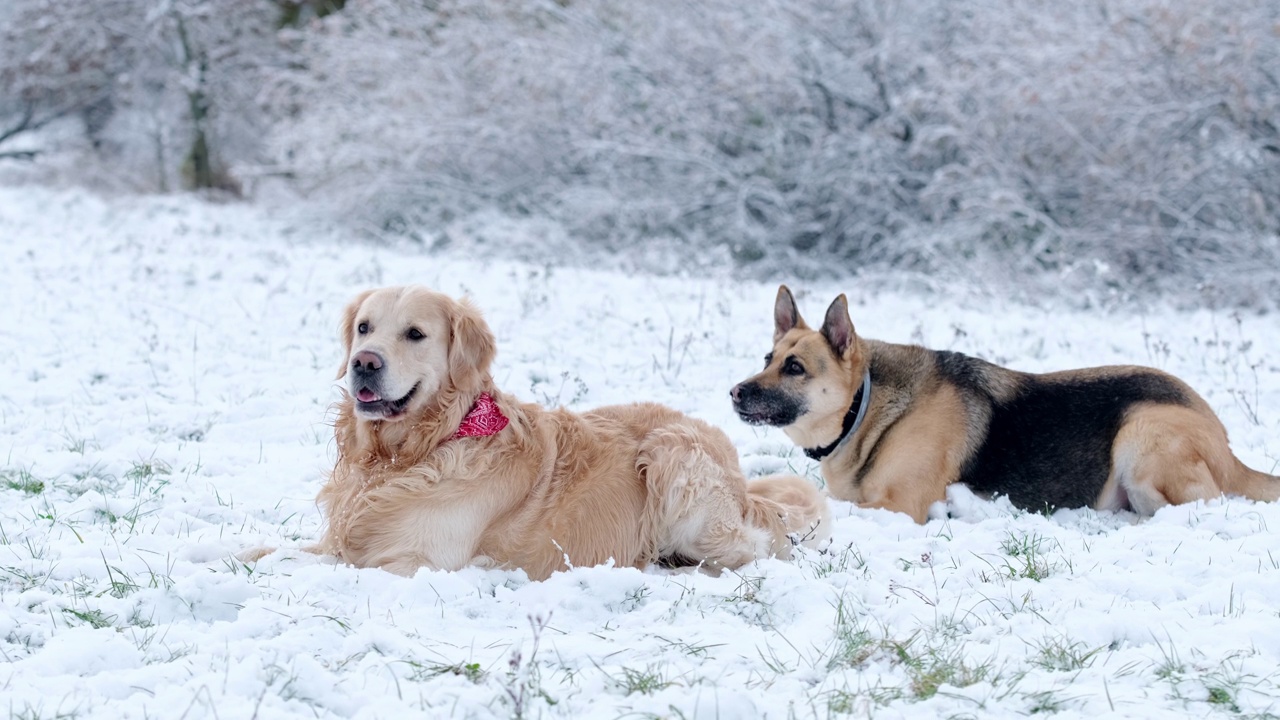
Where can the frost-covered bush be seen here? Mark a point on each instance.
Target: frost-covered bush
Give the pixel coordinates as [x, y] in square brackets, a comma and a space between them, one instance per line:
[1133, 142]
[1123, 144]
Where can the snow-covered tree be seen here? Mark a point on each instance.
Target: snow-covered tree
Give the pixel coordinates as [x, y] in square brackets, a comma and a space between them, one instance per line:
[167, 85]
[59, 60]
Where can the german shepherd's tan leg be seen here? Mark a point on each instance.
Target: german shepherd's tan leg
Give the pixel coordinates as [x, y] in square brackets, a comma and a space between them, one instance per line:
[918, 458]
[1167, 454]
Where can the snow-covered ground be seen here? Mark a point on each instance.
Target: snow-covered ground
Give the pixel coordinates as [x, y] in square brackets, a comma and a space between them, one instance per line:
[169, 367]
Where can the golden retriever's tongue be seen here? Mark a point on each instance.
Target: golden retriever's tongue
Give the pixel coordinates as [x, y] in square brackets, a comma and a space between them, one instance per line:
[367, 395]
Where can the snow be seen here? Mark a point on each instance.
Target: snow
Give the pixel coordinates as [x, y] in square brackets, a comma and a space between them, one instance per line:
[170, 370]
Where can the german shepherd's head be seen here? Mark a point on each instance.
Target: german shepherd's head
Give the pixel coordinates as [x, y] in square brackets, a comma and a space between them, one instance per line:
[809, 379]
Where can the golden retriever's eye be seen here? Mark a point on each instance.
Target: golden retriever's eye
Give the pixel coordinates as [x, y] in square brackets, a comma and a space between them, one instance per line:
[414, 334]
[363, 328]
[768, 359]
[793, 367]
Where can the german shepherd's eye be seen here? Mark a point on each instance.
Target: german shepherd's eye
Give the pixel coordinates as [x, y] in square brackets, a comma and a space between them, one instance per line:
[363, 328]
[793, 367]
[768, 359]
[414, 334]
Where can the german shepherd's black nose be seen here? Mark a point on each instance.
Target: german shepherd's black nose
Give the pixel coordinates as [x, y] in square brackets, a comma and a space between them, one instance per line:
[765, 406]
[366, 363]
[747, 393]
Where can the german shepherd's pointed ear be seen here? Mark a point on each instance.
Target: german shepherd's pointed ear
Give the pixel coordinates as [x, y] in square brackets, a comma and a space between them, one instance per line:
[471, 345]
[837, 328]
[346, 326]
[785, 314]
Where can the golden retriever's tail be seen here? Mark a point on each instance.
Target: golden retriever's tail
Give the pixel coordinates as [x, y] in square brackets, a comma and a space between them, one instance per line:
[791, 509]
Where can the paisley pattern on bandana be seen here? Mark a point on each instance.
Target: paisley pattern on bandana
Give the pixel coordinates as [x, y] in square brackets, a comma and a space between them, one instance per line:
[484, 419]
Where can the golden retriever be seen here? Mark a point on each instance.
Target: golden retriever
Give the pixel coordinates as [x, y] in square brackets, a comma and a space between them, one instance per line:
[536, 489]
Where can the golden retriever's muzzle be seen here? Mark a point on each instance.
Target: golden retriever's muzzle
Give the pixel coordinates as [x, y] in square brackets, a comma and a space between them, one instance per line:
[757, 405]
[366, 387]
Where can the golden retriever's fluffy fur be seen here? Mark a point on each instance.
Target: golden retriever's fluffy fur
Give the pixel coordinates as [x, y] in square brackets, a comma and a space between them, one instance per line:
[634, 484]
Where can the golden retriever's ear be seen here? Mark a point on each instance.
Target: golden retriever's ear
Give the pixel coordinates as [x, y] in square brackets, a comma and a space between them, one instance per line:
[837, 328]
[785, 314]
[346, 327]
[471, 345]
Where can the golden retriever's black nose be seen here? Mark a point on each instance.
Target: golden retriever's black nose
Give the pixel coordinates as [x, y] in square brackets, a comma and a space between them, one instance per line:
[735, 392]
[366, 362]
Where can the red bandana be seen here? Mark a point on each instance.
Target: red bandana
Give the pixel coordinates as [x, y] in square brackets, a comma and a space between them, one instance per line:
[484, 419]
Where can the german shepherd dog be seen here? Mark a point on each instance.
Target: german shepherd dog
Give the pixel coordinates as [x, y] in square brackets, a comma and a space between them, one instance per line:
[894, 425]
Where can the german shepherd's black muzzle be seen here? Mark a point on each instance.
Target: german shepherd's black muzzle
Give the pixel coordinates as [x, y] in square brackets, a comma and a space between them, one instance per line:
[758, 405]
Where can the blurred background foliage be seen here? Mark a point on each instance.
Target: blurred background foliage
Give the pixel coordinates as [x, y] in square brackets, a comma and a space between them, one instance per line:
[1107, 148]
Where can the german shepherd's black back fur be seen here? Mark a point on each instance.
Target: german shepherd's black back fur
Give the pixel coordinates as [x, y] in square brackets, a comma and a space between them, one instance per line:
[1061, 428]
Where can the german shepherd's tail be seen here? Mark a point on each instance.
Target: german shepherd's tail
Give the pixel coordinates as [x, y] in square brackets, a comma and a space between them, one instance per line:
[791, 509]
[1254, 484]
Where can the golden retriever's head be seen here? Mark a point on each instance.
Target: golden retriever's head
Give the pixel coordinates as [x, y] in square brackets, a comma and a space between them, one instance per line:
[406, 345]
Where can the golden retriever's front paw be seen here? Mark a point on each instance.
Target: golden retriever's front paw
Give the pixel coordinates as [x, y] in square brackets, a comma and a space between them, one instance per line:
[254, 554]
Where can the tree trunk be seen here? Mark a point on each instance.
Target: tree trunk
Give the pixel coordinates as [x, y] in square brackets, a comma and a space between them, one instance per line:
[198, 167]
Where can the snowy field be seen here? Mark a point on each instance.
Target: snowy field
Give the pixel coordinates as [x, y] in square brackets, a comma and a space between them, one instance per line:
[169, 371]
